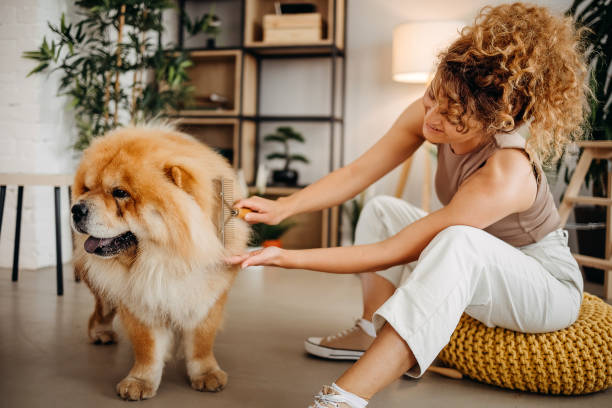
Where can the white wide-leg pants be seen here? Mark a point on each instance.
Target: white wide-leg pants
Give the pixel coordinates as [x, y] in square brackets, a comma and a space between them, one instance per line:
[532, 289]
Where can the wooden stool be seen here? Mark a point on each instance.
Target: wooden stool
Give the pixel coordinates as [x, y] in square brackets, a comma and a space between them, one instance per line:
[20, 180]
[601, 150]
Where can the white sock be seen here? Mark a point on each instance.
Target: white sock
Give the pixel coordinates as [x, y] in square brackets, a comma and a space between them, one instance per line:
[355, 400]
[367, 327]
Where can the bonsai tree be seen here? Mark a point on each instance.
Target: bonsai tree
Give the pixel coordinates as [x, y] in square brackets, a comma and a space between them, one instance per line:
[114, 68]
[284, 135]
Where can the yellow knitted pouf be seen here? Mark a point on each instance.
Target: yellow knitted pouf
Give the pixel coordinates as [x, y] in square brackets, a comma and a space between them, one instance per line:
[575, 360]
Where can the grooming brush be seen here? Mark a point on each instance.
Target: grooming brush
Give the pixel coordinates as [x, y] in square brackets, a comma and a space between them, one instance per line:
[225, 190]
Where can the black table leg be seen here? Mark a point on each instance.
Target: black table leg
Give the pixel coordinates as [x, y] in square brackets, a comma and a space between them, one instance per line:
[17, 234]
[58, 243]
[77, 277]
[2, 195]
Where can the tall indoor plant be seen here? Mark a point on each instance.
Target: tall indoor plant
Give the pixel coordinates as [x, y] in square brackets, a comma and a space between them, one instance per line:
[596, 17]
[114, 68]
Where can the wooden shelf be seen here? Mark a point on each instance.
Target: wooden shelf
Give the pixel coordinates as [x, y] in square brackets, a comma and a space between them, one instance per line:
[220, 134]
[292, 118]
[333, 22]
[195, 112]
[214, 72]
[320, 49]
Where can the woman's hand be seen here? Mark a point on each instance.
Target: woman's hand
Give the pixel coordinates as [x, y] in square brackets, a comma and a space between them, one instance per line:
[270, 256]
[266, 211]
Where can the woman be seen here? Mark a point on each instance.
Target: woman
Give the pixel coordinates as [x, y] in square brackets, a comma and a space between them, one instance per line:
[495, 250]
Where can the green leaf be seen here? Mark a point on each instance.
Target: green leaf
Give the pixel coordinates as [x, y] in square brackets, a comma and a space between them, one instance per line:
[276, 155]
[289, 133]
[295, 136]
[298, 157]
[35, 55]
[275, 138]
[38, 68]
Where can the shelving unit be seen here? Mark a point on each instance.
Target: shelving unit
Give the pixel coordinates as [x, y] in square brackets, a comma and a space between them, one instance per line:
[234, 71]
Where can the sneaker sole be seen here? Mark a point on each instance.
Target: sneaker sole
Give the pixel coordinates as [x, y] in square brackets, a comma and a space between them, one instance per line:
[330, 353]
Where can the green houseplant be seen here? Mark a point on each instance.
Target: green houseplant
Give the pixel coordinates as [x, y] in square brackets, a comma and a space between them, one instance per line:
[596, 17]
[209, 24]
[284, 135]
[269, 235]
[352, 209]
[113, 66]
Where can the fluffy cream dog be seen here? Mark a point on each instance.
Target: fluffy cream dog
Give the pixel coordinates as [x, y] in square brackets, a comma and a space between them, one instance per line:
[146, 210]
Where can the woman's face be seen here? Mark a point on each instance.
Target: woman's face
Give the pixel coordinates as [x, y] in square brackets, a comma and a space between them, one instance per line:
[437, 129]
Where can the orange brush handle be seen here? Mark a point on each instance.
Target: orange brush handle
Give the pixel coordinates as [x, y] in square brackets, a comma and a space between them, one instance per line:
[241, 212]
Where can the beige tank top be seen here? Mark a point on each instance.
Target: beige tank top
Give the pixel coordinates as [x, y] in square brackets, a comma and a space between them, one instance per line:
[517, 229]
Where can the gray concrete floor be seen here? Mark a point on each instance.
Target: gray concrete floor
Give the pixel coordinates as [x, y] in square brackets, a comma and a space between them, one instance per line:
[46, 361]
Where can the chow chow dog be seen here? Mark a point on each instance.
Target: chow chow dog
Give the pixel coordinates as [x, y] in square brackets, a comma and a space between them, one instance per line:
[147, 212]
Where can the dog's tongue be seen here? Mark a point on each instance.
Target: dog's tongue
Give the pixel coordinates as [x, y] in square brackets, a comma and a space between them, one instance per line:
[92, 243]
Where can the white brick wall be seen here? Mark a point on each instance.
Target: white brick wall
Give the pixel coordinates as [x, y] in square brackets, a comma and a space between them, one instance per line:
[35, 133]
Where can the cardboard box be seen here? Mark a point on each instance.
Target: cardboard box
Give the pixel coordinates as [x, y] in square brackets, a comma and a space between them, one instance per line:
[292, 28]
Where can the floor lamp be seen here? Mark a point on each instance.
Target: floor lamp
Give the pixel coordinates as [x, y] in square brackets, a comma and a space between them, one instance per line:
[415, 48]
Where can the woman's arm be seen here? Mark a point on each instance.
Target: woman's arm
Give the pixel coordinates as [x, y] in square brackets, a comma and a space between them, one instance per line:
[505, 185]
[401, 141]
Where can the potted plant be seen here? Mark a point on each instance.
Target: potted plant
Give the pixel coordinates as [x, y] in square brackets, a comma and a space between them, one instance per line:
[209, 24]
[114, 68]
[284, 135]
[596, 16]
[269, 235]
[352, 209]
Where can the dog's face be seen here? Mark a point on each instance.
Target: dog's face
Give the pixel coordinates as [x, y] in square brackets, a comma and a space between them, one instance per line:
[106, 205]
[135, 189]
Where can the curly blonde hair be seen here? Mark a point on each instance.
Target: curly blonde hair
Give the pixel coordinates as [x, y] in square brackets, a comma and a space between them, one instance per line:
[517, 63]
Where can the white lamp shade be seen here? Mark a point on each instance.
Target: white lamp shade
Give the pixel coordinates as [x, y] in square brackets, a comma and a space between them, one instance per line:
[416, 46]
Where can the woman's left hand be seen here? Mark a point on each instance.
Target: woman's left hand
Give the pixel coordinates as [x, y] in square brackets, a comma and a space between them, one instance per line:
[269, 256]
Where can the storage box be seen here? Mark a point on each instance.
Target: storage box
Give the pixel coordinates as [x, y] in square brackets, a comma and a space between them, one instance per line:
[292, 28]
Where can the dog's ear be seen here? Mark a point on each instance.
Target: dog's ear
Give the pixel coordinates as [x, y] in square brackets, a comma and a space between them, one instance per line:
[180, 177]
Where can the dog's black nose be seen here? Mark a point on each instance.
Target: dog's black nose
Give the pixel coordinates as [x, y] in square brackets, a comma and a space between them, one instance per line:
[79, 212]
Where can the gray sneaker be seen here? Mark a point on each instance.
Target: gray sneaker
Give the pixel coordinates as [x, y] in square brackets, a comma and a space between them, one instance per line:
[329, 398]
[349, 344]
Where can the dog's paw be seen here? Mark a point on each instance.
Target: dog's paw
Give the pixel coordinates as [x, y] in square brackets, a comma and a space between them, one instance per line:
[134, 389]
[103, 337]
[213, 381]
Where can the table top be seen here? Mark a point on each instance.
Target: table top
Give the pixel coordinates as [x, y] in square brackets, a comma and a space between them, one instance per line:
[29, 179]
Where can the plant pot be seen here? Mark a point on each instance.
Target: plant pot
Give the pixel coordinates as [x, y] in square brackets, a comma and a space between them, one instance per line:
[210, 42]
[591, 242]
[286, 177]
[272, 242]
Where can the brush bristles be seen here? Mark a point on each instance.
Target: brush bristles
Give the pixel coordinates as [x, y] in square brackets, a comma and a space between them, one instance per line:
[225, 188]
